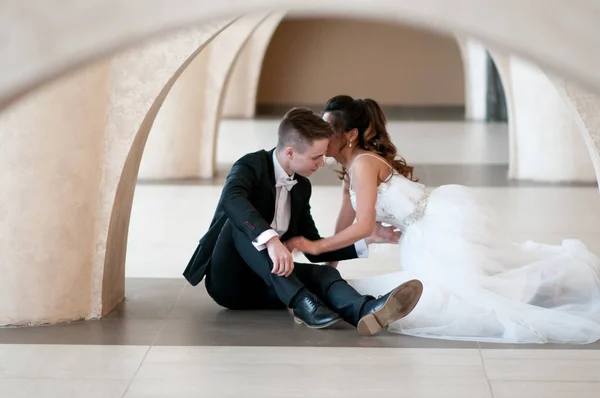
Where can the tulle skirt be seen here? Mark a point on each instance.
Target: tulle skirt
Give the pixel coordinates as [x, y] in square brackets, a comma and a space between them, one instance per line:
[481, 286]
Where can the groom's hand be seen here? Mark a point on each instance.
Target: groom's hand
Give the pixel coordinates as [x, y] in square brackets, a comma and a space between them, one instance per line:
[383, 234]
[283, 263]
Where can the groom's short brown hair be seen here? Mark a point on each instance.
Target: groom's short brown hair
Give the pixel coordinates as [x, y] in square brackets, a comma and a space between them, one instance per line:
[300, 127]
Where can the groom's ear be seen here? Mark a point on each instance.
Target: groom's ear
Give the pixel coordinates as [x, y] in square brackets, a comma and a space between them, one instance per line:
[289, 152]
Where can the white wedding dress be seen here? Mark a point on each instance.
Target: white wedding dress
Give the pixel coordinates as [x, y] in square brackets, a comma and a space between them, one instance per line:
[478, 284]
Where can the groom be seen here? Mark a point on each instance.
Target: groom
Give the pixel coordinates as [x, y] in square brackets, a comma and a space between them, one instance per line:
[264, 202]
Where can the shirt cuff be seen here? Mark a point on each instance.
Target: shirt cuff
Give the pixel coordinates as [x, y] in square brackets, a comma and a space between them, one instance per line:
[362, 249]
[259, 242]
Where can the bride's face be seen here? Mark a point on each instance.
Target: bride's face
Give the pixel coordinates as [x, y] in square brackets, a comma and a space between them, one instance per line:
[337, 142]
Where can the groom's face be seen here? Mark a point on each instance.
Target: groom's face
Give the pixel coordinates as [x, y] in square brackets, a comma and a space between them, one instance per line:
[308, 161]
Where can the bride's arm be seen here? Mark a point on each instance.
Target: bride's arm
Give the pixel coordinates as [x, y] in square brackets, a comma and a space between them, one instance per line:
[364, 178]
[347, 214]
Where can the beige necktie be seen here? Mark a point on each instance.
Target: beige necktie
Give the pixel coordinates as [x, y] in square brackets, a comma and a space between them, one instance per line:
[282, 216]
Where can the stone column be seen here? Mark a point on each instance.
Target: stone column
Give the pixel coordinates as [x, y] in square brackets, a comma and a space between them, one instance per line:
[69, 156]
[586, 107]
[502, 62]
[474, 57]
[240, 95]
[141, 81]
[51, 145]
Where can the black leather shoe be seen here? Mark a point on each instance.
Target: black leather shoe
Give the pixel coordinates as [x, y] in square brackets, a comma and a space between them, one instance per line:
[379, 313]
[309, 310]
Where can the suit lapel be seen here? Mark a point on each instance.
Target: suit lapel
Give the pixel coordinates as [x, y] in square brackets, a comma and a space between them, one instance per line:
[271, 172]
[296, 196]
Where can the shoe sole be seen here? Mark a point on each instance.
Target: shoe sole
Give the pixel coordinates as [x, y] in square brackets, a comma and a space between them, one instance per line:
[301, 322]
[400, 303]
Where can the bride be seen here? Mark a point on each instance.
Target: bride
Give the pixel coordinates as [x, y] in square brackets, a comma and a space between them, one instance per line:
[478, 284]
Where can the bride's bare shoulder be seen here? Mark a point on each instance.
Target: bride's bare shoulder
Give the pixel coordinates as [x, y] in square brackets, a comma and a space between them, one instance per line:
[370, 163]
[366, 159]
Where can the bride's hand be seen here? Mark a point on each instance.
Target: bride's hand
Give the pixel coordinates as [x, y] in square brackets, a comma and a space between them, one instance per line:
[303, 245]
[383, 234]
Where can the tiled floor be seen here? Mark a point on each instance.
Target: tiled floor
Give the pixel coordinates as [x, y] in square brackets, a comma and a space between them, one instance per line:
[169, 312]
[168, 339]
[159, 371]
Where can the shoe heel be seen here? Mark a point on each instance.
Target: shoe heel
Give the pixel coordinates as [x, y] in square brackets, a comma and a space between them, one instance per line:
[368, 326]
[298, 321]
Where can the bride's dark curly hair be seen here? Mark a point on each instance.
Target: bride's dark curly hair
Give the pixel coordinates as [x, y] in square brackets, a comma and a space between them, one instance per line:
[366, 116]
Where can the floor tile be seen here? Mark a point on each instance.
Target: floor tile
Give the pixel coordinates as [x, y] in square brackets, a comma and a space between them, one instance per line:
[463, 174]
[263, 372]
[297, 371]
[541, 351]
[70, 362]
[287, 383]
[196, 304]
[525, 369]
[149, 298]
[511, 389]
[279, 333]
[97, 332]
[330, 356]
[62, 388]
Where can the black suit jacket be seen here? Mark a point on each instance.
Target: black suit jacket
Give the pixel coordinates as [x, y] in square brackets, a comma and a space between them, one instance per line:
[248, 200]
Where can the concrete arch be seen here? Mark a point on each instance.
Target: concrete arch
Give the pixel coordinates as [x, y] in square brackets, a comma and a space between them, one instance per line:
[79, 179]
[536, 113]
[240, 96]
[473, 55]
[49, 191]
[182, 143]
[502, 61]
[42, 44]
[542, 116]
[586, 108]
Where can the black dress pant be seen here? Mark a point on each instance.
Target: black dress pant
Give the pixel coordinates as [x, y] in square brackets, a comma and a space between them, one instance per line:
[240, 278]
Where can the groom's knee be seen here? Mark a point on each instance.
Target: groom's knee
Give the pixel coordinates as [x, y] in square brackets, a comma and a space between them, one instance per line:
[330, 273]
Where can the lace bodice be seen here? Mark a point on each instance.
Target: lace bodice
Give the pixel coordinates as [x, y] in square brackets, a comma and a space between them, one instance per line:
[400, 201]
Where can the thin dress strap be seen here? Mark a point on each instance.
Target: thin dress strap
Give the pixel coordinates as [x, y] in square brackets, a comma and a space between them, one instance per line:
[367, 154]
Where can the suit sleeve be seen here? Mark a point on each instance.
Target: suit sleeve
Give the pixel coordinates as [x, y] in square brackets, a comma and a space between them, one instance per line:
[308, 229]
[235, 199]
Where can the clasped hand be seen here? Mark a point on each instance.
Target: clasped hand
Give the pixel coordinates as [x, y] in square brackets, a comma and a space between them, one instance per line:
[381, 234]
[303, 245]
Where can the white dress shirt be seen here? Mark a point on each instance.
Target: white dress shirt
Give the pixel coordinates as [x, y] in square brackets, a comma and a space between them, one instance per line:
[281, 220]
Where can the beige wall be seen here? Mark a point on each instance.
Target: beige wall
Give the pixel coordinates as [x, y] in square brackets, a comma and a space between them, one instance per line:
[310, 60]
